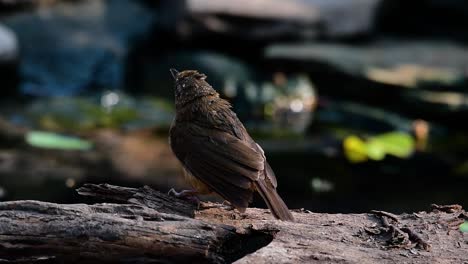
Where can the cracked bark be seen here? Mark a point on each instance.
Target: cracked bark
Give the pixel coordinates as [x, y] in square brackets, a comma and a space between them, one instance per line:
[146, 226]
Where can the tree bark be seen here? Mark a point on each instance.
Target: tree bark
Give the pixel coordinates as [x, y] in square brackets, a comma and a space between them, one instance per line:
[146, 226]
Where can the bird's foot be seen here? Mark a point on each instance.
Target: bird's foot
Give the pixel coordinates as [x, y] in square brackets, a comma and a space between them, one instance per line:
[225, 205]
[188, 195]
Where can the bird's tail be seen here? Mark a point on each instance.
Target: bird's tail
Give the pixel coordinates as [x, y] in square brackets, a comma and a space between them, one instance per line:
[277, 206]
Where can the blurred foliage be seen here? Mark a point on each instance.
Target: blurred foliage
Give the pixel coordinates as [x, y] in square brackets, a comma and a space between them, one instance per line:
[110, 110]
[464, 227]
[321, 185]
[48, 140]
[462, 169]
[398, 144]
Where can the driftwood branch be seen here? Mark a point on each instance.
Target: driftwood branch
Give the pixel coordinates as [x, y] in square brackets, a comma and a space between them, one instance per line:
[146, 226]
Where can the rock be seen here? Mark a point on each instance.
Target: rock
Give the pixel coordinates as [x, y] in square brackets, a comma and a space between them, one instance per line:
[77, 47]
[261, 20]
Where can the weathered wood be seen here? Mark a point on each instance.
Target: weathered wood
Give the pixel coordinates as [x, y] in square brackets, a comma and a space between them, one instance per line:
[146, 226]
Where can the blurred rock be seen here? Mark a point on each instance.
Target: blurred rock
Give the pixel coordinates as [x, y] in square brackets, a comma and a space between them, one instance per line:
[288, 101]
[151, 76]
[8, 45]
[136, 157]
[425, 80]
[411, 75]
[8, 6]
[140, 156]
[85, 114]
[285, 101]
[8, 60]
[11, 135]
[403, 63]
[424, 18]
[77, 47]
[50, 175]
[266, 19]
[358, 118]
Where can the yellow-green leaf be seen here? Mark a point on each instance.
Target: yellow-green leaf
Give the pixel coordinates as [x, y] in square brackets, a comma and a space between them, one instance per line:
[398, 144]
[355, 149]
[375, 150]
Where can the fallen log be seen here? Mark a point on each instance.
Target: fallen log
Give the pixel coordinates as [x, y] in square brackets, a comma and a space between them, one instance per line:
[146, 226]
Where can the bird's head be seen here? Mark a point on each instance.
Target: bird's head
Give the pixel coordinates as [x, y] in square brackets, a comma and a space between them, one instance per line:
[190, 85]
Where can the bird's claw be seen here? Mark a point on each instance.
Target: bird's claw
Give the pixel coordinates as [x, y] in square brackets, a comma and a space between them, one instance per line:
[224, 205]
[227, 206]
[172, 192]
[188, 195]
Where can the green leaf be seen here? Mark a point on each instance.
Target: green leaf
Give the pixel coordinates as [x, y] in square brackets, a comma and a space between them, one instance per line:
[48, 140]
[394, 143]
[375, 150]
[464, 227]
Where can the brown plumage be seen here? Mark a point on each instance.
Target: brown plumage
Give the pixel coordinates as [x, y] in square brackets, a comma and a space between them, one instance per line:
[215, 149]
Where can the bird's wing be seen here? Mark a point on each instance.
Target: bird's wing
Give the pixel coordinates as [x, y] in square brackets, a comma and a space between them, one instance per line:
[270, 175]
[222, 161]
[228, 122]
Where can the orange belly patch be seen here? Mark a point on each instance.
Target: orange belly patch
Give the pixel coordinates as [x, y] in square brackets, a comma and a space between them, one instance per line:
[196, 184]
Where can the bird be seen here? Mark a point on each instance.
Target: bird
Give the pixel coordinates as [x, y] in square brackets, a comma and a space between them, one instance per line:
[216, 152]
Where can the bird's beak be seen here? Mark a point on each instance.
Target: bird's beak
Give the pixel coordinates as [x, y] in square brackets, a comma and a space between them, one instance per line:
[174, 73]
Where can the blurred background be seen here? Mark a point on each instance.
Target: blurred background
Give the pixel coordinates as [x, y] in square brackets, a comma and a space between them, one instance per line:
[358, 104]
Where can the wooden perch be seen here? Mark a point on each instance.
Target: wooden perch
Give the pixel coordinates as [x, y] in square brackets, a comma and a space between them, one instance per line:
[146, 226]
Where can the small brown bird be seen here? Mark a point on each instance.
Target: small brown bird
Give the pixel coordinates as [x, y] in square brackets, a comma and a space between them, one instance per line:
[216, 152]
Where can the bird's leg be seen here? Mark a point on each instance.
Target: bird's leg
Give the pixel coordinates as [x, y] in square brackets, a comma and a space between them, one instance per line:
[188, 195]
[224, 205]
[227, 205]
